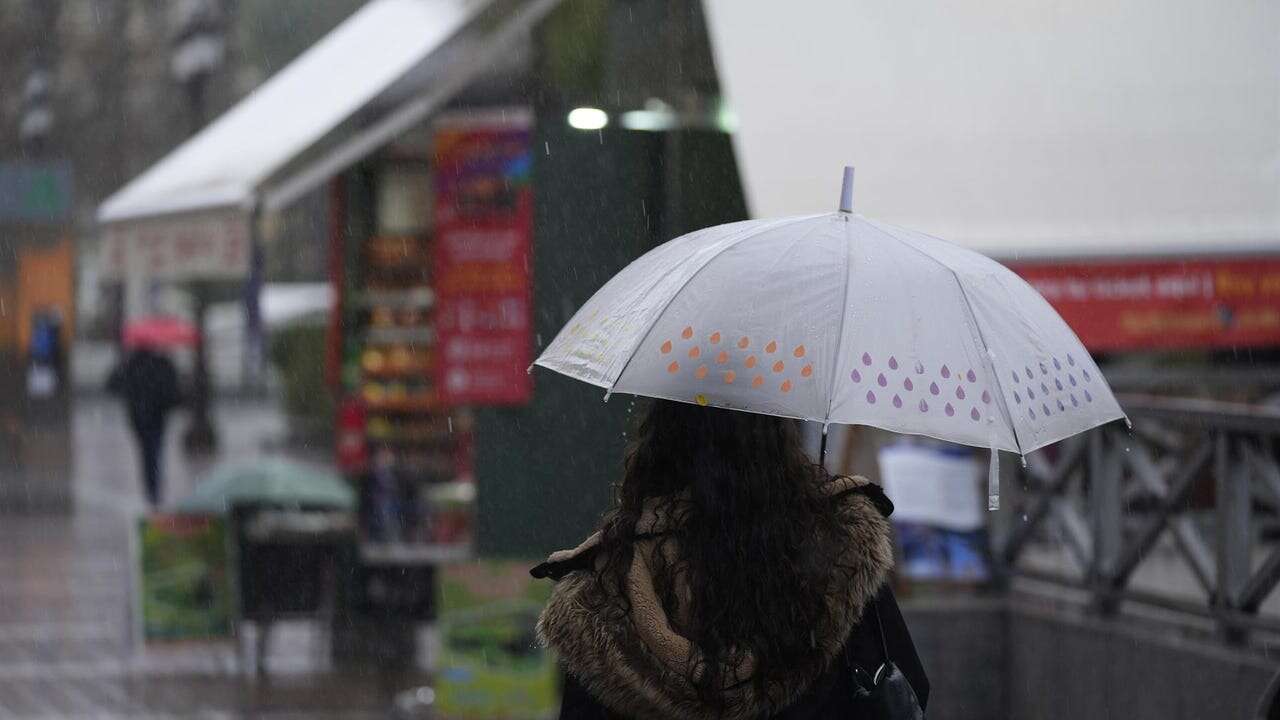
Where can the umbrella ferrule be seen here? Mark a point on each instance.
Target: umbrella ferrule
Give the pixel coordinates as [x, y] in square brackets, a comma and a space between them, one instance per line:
[846, 191]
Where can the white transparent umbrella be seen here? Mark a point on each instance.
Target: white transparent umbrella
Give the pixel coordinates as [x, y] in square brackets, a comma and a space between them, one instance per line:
[837, 318]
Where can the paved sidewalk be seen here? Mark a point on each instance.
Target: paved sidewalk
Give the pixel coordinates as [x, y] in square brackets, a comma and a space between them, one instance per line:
[65, 622]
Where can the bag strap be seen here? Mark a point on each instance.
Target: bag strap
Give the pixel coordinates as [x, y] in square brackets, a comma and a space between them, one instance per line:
[884, 645]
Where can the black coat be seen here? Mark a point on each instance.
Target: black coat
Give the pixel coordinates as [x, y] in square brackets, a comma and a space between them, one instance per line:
[830, 696]
[148, 383]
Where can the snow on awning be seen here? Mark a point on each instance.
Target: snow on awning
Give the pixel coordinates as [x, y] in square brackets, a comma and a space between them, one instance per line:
[1135, 128]
[225, 164]
[374, 76]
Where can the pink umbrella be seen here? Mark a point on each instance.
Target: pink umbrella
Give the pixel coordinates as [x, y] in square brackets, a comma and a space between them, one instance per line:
[159, 332]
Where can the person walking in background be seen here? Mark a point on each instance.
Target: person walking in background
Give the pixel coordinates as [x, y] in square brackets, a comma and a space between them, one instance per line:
[734, 579]
[147, 381]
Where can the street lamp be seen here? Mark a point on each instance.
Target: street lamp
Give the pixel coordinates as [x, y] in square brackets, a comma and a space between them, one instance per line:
[199, 48]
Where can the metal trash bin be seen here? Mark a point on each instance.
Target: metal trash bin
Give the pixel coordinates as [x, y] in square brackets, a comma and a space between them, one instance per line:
[287, 562]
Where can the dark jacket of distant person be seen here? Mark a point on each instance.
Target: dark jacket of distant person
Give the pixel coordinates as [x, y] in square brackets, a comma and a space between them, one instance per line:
[147, 381]
[640, 635]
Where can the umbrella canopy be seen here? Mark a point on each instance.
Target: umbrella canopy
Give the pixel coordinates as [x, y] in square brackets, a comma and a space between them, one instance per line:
[267, 482]
[159, 332]
[838, 318]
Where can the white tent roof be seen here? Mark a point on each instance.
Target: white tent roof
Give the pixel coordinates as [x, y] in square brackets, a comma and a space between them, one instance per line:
[1102, 127]
[227, 163]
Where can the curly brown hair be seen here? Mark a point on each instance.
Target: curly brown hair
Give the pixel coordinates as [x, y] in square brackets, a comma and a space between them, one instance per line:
[751, 540]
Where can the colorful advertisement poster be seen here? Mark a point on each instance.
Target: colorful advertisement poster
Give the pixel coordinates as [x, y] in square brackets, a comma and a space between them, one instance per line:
[482, 257]
[1164, 304]
[491, 665]
[184, 583]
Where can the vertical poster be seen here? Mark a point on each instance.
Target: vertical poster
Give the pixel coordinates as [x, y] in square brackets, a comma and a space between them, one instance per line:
[482, 255]
[185, 583]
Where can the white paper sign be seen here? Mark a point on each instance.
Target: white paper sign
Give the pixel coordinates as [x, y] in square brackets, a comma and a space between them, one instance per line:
[934, 485]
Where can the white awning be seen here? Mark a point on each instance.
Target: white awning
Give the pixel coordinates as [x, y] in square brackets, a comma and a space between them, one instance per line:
[1107, 127]
[226, 164]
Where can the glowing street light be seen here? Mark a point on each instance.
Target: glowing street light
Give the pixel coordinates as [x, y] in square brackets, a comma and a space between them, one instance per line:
[588, 118]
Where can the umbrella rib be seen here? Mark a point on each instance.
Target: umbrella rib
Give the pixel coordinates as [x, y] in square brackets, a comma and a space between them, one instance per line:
[662, 311]
[972, 320]
[844, 314]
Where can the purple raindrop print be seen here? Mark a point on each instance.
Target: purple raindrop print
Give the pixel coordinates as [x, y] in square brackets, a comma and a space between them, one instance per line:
[1044, 388]
[946, 372]
[1032, 413]
[897, 401]
[1071, 379]
[1087, 376]
[1057, 365]
[866, 359]
[1045, 408]
[871, 398]
[1074, 401]
[1017, 398]
[1031, 393]
[1043, 370]
[855, 376]
[924, 406]
[893, 363]
[986, 398]
[933, 388]
[959, 392]
[1071, 360]
[971, 376]
[908, 385]
[1058, 384]
[919, 368]
[1087, 396]
[1061, 407]
[1027, 370]
[881, 380]
[949, 410]
[974, 415]
[1015, 376]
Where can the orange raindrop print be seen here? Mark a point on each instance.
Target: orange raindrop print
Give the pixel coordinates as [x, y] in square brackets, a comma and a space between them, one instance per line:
[743, 342]
[778, 366]
[751, 361]
[688, 333]
[799, 351]
[695, 351]
[758, 381]
[729, 377]
[701, 372]
[715, 338]
[771, 347]
[786, 386]
[674, 367]
[666, 347]
[700, 399]
[806, 371]
[722, 358]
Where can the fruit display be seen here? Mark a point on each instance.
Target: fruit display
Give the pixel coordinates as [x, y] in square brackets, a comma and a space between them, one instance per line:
[416, 490]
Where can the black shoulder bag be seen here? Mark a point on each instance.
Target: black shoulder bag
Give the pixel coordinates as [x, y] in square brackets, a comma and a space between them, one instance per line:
[886, 694]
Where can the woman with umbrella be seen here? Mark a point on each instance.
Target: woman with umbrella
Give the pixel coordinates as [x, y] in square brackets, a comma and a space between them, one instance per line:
[735, 579]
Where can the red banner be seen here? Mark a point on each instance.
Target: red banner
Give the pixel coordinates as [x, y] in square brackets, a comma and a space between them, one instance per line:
[1164, 304]
[481, 264]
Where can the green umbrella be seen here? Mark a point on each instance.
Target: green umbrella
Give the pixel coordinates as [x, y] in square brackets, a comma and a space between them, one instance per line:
[267, 482]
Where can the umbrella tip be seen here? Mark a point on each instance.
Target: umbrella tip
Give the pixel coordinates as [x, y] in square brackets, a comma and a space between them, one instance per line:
[846, 190]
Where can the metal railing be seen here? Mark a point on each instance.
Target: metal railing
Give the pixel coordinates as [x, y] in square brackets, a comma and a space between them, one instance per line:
[1112, 494]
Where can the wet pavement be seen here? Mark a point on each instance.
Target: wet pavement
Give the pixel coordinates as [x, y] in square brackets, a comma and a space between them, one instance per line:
[67, 647]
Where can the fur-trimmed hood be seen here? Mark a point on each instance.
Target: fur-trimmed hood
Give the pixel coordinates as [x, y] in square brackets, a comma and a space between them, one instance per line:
[637, 667]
